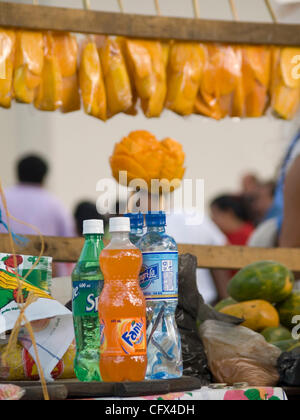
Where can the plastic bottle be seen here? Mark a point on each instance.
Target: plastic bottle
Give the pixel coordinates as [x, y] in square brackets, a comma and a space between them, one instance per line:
[122, 308]
[87, 281]
[159, 282]
[136, 226]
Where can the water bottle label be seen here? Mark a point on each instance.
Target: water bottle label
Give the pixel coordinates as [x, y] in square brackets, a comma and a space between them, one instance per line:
[119, 337]
[159, 275]
[86, 297]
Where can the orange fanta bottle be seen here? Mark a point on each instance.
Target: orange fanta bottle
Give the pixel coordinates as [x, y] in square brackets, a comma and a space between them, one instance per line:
[122, 309]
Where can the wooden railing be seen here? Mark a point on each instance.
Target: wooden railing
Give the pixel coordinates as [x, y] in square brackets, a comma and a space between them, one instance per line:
[28, 16]
[218, 257]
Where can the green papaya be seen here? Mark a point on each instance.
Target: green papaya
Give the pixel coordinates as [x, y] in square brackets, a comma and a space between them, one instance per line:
[265, 280]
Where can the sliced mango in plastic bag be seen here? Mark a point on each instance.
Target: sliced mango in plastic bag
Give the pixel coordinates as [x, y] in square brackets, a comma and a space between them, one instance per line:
[148, 62]
[7, 54]
[221, 76]
[185, 69]
[256, 79]
[29, 62]
[49, 96]
[65, 49]
[285, 99]
[91, 81]
[49, 93]
[290, 57]
[115, 75]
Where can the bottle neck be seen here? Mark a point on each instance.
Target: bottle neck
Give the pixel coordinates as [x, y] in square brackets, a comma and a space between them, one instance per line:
[120, 240]
[93, 245]
[157, 229]
[137, 231]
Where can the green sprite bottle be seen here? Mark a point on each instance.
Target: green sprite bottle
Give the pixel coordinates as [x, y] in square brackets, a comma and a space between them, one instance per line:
[87, 281]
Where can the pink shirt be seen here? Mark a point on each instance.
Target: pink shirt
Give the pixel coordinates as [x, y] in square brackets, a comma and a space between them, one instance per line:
[36, 206]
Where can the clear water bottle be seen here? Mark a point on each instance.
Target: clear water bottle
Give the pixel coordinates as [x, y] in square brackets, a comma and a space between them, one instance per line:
[159, 282]
[136, 226]
[87, 282]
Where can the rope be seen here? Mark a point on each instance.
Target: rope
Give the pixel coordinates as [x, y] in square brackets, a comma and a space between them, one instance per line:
[271, 11]
[121, 6]
[234, 10]
[20, 300]
[157, 7]
[196, 9]
[86, 4]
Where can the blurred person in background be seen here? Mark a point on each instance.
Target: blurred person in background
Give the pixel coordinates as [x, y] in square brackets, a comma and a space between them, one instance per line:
[86, 210]
[281, 226]
[30, 202]
[231, 214]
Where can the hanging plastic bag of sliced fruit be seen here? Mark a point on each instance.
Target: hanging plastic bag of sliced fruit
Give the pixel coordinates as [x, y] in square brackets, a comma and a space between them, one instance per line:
[7, 55]
[52, 323]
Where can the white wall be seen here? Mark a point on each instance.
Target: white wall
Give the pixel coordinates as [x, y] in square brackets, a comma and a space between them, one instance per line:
[78, 146]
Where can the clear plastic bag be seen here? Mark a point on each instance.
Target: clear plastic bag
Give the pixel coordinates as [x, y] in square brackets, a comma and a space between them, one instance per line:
[237, 354]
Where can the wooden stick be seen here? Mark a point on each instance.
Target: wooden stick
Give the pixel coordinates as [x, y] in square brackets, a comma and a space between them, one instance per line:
[87, 4]
[121, 6]
[196, 9]
[271, 11]
[234, 10]
[157, 7]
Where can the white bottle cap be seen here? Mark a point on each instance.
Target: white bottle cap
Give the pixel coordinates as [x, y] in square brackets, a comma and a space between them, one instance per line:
[119, 224]
[94, 226]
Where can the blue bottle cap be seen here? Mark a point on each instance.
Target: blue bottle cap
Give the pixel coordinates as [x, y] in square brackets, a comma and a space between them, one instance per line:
[156, 218]
[136, 220]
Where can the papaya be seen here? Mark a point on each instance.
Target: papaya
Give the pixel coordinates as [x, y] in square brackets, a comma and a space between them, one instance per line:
[273, 335]
[266, 280]
[286, 345]
[258, 314]
[288, 309]
[225, 302]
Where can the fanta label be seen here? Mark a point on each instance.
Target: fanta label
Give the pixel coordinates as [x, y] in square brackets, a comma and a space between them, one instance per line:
[159, 275]
[123, 337]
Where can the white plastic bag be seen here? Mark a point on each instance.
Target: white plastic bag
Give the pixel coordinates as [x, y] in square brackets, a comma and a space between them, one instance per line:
[237, 354]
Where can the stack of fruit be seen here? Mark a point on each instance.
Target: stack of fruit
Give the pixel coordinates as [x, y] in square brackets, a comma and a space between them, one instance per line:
[262, 294]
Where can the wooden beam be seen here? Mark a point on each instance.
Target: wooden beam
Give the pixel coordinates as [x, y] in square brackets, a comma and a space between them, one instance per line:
[28, 16]
[223, 257]
[236, 257]
[60, 249]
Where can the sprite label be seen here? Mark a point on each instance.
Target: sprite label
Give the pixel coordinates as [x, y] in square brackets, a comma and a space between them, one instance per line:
[86, 297]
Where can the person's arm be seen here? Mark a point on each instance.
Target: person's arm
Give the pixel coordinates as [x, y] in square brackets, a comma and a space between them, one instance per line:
[221, 280]
[290, 234]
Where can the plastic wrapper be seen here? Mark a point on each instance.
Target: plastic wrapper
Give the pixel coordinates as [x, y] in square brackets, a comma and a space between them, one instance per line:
[185, 70]
[20, 366]
[52, 323]
[236, 354]
[11, 392]
[147, 63]
[7, 56]
[221, 75]
[115, 75]
[289, 368]
[190, 311]
[91, 81]
[285, 87]
[40, 276]
[66, 50]
[29, 63]
[50, 91]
